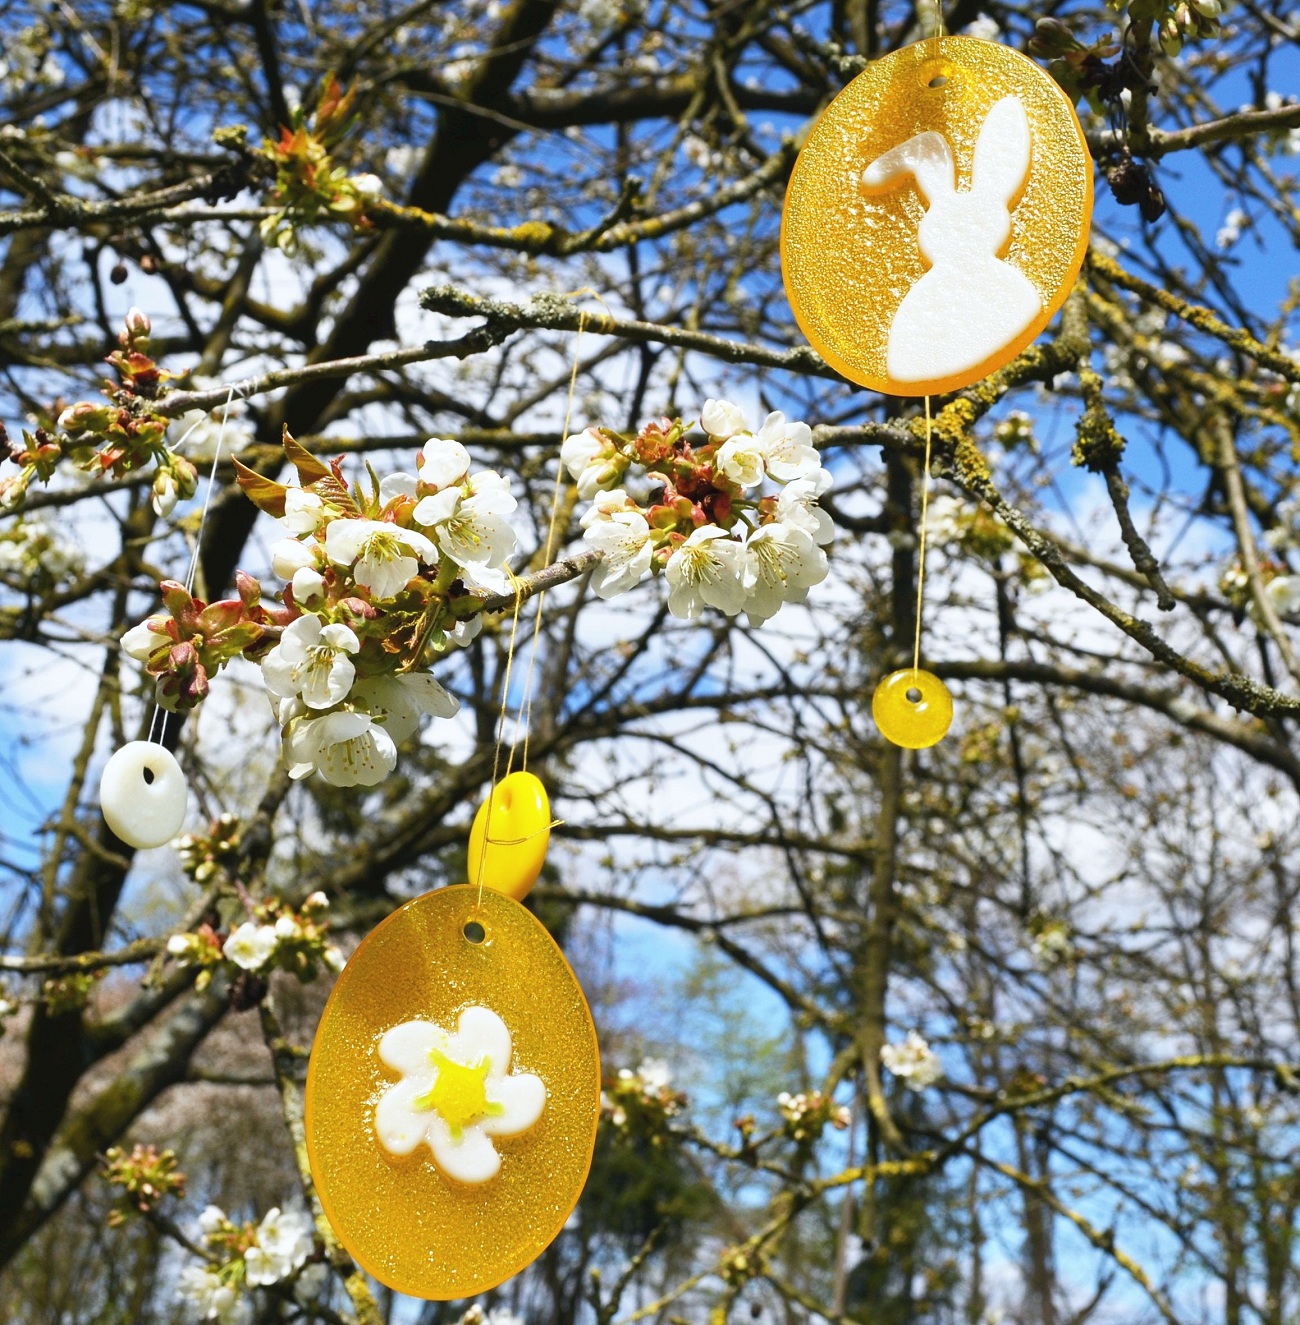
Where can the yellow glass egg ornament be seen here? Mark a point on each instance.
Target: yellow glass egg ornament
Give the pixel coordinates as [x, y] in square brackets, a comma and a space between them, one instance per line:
[937, 216]
[452, 1095]
[912, 708]
[507, 855]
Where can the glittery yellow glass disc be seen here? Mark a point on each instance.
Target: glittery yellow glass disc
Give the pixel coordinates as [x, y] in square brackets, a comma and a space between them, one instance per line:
[852, 230]
[402, 1219]
[912, 708]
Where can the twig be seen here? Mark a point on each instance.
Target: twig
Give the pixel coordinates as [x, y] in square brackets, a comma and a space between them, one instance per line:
[284, 1061]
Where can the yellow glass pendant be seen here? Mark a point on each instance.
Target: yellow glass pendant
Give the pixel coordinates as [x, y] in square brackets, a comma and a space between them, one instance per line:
[937, 216]
[452, 1095]
[912, 708]
[511, 858]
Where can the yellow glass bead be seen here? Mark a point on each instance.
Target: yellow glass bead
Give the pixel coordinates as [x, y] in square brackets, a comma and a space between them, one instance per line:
[520, 832]
[937, 216]
[912, 708]
[454, 1011]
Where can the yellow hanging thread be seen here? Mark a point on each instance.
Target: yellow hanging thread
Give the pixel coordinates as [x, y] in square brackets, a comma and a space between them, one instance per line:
[514, 824]
[911, 707]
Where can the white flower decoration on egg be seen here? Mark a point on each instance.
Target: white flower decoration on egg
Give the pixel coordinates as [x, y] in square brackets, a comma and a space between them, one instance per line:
[456, 1093]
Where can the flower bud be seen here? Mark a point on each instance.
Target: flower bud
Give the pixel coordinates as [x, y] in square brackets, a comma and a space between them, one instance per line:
[137, 325]
[85, 416]
[308, 583]
[289, 555]
[165, 493]
[140, 641]
[1051, 38]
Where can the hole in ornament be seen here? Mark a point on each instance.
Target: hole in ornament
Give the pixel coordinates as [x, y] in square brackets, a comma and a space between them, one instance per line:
[913, 695]
[936, 74]
[506, 800]
[148, 777]
[474, 932]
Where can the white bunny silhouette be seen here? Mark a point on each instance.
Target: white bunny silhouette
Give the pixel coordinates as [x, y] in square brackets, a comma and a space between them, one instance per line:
[970, 303]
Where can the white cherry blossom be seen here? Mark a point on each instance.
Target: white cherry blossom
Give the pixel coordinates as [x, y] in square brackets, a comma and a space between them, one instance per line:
[470, 529]
[787, 448]
[455, 1094]
[706, 569]
[782, 562]
[398, 702]
[1283, 591]
[606, 506]
[251, 945]
[590, 457]
[284, 1241]
[623, 542]
[312, 660]
[913, 1062]
[796, 504]
[384, 557]
[443, 463]
[720, 418]
[347, 749]
[210, 1296]
[741, 459]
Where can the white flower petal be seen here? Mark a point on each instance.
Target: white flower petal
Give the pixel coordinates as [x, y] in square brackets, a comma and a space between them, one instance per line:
[406, 1048]
[339, 636]
[480, 1033]
[523, 1096]
[437, 507]
[399, 1125]
[139, 642]
[472, 1159]
[399, 484]
[386, 578]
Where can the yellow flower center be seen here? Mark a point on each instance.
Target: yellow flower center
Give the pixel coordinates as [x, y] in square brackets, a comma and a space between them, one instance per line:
[459, 1094]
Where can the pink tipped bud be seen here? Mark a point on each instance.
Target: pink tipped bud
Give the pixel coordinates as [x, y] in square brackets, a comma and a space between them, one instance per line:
[137, 325]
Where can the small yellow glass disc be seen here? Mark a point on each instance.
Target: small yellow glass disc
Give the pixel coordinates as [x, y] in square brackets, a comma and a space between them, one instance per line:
[937, 216]
[452, 1095]
[912, 708]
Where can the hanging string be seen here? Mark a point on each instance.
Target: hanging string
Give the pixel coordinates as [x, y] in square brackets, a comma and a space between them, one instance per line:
[525, 718]
[920, 556]
[501, 730]
[524, 712]
[159, 719]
